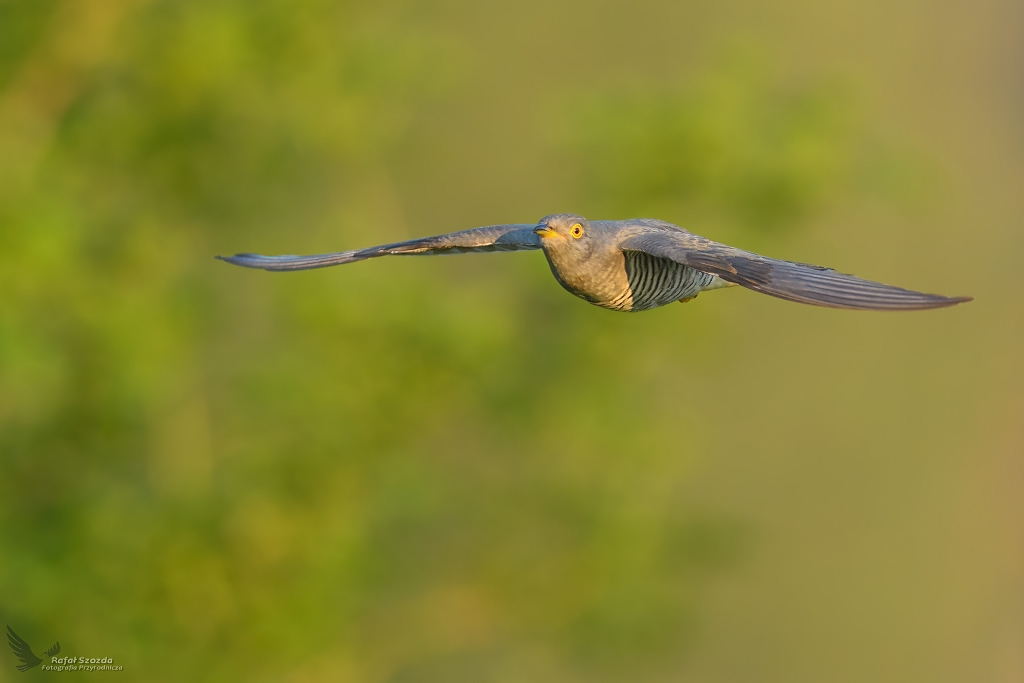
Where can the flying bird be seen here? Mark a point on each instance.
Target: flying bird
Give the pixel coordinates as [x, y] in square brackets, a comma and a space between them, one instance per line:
[637, 264]
[23, 652]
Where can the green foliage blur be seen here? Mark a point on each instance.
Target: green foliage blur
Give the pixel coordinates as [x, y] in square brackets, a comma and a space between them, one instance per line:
[448, 469]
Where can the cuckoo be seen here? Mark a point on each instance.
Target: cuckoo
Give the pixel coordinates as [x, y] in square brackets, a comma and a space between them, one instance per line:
[638, 264]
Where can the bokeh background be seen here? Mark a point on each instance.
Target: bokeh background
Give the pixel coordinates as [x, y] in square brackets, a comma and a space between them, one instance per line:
[449, 469]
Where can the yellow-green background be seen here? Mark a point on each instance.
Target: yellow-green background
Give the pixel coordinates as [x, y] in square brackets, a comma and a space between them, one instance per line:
[449, 469]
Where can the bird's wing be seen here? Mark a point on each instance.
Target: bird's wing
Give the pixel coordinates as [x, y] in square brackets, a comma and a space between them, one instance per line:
[800, 282]
[515, 237]
[22, 651]
[54, 650]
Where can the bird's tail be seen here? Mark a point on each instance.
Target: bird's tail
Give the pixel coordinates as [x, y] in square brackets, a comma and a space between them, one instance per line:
[718, 283]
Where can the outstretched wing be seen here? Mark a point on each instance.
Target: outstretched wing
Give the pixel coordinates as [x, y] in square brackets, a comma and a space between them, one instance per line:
[54, 650]
[492, 238]
[800, 282]
[22, 651]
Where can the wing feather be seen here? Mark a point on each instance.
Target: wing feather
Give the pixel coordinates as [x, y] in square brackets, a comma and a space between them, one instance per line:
[515, 237]
[800, 282]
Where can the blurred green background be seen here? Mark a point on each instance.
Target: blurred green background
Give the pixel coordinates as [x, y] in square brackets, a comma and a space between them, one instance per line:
[449, 469]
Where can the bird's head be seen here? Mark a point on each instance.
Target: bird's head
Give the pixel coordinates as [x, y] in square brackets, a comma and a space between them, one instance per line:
[565, 233]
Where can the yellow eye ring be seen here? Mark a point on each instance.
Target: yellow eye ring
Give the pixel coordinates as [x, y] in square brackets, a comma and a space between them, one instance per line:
[577, 231]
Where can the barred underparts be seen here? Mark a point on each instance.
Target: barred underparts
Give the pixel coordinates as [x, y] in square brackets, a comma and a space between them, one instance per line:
[656, 282]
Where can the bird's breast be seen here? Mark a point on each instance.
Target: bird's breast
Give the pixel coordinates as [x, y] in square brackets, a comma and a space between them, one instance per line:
[601, 280]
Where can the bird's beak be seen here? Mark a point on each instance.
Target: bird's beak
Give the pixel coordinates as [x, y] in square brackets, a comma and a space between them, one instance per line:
[545, 231]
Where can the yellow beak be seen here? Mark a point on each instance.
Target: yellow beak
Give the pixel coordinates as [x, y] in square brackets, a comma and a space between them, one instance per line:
[545, 231]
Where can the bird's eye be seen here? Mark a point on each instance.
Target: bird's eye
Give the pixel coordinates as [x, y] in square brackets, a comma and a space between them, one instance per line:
[577, 231]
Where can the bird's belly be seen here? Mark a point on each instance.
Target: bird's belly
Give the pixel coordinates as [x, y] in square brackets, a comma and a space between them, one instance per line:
[600, 291]
[634, 281]
[652, 282]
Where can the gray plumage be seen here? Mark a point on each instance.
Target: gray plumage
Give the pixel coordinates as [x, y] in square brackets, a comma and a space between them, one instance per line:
[638, 264]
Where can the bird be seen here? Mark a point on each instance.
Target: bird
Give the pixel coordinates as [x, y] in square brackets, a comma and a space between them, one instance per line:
[636, 265]
[23, 652]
